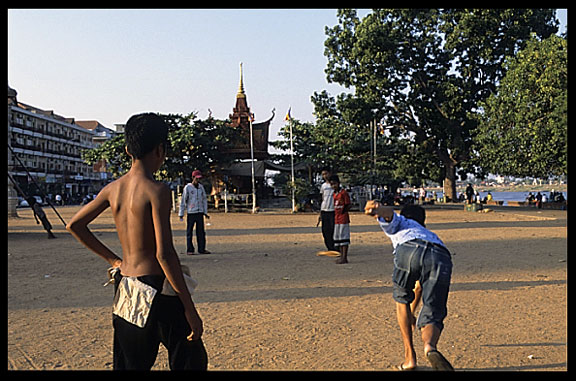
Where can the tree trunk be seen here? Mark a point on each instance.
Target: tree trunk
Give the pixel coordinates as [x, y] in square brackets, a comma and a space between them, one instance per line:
[450, 185]
[449, 178]
[450, 164]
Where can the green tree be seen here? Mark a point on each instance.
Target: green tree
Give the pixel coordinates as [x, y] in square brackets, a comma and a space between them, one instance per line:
[424, 71]
[523, 129]
[332, 141]
[342, 139]
[196, 144]
[193, 144]
[113, 153]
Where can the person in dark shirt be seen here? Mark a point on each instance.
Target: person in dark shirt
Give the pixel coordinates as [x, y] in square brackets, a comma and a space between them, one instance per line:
[40, 214]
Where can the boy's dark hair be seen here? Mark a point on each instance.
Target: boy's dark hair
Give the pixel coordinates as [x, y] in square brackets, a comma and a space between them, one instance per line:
[334, 178]
[31, 200]
[143, 132]
[414, 212]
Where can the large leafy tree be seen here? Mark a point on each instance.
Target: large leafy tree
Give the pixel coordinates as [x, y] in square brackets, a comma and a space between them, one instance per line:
[197, 144]
[524, 126]
[423, 71]
[331, 141]
[342, 138]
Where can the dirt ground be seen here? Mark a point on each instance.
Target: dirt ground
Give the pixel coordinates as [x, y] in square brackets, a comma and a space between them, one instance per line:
[268, 302]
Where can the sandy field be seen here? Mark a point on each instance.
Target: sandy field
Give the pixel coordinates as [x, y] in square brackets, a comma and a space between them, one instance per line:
[268, 302]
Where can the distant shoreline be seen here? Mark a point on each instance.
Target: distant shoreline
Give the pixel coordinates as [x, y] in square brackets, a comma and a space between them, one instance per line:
[524, 188]
[505, 188]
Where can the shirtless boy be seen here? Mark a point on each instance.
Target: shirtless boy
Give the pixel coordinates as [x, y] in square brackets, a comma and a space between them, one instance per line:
[141, 210]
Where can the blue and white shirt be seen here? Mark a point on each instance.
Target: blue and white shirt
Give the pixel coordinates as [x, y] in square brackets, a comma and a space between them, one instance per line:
[402, 229]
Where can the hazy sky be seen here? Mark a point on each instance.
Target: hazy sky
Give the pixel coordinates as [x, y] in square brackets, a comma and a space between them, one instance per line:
[107, 65]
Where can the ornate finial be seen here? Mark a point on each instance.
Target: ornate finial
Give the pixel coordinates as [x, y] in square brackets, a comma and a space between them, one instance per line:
[241, 93]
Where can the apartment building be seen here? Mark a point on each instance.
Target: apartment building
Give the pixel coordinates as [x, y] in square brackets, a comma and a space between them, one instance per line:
[49, 146]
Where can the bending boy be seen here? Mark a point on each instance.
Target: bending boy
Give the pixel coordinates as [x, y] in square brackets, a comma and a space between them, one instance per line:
[419, 255]
[141, 210]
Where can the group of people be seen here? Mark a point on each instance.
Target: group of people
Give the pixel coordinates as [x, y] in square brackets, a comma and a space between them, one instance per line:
[153, 303]
[422, 265]
[334, 217]
[541, 198]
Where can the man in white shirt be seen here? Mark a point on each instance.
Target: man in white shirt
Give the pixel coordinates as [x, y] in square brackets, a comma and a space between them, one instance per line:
[327, 212]
[195, 202]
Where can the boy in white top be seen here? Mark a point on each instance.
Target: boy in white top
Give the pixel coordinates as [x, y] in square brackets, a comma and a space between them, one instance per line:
[420, 256]
[195, 202]
[327, 214]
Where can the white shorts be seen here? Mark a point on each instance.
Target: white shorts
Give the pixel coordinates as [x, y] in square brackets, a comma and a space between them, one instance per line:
[341, 234]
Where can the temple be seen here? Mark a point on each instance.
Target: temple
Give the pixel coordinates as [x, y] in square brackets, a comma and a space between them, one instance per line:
[238, 176]
[240, 117]
[235, 180]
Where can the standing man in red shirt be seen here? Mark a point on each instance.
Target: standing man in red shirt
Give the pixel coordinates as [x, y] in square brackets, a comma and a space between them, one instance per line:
[342, 205]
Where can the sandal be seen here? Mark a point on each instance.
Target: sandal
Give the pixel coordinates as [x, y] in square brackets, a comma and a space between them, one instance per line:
[438, 361]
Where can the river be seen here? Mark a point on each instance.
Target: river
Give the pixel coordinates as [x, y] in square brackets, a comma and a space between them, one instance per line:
[510, 196]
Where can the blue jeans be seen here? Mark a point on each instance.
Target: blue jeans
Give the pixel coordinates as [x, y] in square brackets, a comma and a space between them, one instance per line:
[431, 264]
[198, 220]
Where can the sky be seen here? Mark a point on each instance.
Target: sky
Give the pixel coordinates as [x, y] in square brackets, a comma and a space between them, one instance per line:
[108, 64]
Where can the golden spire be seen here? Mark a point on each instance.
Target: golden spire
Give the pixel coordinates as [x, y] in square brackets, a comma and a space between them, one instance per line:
[241, 93]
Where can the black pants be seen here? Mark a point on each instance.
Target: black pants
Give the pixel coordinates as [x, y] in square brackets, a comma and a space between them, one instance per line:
[136, 348]
[198, 220]
[327, 219]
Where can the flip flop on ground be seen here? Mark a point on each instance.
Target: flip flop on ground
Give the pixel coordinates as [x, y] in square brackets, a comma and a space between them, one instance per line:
[438, 361]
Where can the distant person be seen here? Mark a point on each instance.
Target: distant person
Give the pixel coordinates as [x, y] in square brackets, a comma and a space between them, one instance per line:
[469, 193]
[195, 202]
[40, 214]
[461, 197]
[342, 205]
[326, 217]
[59, 199]
[145, 314]
[552, 196]
[539, 200]
[419, 256]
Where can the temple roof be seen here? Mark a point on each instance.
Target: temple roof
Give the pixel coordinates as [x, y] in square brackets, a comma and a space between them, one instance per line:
[241, 93]
[240, 117]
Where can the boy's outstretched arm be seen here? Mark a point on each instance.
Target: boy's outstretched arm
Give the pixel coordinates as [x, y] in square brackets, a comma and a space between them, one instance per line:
[168, 258]
[78, 227]
[374, 208]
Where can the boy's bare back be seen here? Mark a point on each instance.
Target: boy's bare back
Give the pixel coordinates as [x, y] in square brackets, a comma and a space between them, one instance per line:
[141, 209]
[131, 198]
